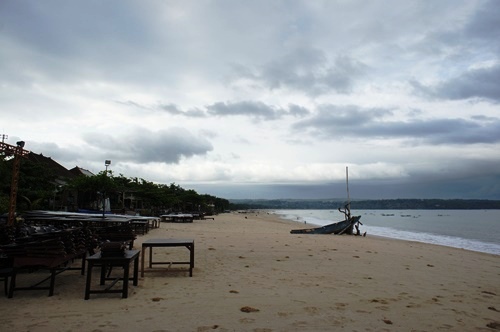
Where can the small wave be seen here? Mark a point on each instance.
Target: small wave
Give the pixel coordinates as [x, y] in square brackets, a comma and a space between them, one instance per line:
[449, 241]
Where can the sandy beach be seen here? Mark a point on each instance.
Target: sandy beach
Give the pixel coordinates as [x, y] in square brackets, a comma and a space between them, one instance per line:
[283, 282]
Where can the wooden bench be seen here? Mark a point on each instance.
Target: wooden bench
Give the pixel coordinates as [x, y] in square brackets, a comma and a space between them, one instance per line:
[106, 262]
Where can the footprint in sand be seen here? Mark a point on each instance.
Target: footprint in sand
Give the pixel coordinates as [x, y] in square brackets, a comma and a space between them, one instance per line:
[489, 293]
[340, 306]
[312, 310]
[207, 328]
[494, 325]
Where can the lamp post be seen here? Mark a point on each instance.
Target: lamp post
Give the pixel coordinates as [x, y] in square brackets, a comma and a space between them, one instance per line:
[106, 163]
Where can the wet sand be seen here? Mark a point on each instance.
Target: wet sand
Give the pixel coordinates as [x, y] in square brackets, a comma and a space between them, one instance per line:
[251, 274]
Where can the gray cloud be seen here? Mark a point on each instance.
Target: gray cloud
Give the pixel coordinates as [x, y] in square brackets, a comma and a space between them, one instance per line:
[248, 108]
[335, 121]
[465, 55]
[482, 83]
[352, 121]
[297, 110]
[133, 104]
[54, 151]
[171, 108]
[253, 109]
[483, 25]
[145, 146]
[461, 33]
[176, 110]
[308, 70]
[58, 38]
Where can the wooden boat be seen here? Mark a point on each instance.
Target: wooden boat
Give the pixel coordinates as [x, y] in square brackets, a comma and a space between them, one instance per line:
[341, 227]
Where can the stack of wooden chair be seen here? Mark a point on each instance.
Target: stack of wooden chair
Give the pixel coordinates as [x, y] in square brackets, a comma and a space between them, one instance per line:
[52, 250]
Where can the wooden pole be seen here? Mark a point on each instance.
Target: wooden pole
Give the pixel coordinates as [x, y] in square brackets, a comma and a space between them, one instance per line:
[347, 183]
[348, 195]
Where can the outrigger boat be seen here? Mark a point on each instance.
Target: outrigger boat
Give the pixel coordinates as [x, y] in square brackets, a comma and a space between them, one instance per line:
[342, 227]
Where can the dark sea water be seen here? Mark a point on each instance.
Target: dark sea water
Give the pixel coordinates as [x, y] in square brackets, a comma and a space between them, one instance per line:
[476, 230]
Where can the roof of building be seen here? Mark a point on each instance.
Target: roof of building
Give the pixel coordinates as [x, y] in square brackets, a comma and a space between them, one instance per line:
[81, 171]
[59, 170]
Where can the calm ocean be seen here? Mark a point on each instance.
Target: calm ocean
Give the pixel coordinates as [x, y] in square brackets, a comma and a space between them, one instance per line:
[477, 230]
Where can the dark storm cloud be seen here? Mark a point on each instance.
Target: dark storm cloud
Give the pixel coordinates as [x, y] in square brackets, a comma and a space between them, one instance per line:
[254, 109]
[351, 121]
[482, 83]
[308, 70]
[144, 146]
[470, 187]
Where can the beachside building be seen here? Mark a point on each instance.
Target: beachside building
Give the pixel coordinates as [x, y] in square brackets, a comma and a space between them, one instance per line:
[63, 199]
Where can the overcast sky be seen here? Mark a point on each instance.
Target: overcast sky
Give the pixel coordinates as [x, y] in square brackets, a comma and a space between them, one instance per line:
[261, 98]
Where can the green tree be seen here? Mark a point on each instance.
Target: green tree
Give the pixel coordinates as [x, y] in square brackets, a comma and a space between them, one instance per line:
[36, 187]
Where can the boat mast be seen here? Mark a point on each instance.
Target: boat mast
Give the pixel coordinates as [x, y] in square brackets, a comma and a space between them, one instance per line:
[348, 196]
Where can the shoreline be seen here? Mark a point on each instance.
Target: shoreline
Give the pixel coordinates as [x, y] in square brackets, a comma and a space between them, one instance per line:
[474, 245]
[296, 282]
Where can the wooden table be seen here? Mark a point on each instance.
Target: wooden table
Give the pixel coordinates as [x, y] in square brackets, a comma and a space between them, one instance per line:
[110, 261]
[188, 243]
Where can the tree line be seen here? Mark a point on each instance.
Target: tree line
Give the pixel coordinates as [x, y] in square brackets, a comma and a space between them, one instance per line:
[41, 188]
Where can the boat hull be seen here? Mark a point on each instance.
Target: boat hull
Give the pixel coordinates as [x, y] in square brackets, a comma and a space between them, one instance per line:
[341, 227]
